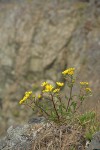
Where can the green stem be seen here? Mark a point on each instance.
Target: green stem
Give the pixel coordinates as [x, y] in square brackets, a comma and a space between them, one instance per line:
[60, 99]
[42, 109]
[54, 107]
[70, 96]
[78, 107]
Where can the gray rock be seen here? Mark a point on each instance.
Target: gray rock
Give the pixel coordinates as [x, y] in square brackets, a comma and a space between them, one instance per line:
[19, 137]
[2, 143]
[36, 120]
[95, 143]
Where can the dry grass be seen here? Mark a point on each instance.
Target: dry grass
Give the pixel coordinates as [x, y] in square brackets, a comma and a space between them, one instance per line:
[64, 137]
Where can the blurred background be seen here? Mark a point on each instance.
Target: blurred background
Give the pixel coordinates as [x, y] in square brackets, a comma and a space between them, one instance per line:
[38, 40]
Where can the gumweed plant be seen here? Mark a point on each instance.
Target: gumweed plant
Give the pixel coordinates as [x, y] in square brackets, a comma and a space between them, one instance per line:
[50, 102]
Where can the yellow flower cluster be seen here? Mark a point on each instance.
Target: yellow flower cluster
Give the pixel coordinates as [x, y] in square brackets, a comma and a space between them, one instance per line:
[56, 90]
[69, 71]
[44, 84]
[84, 83]
[88, 90]
[60, 84]
[48, 88]
[27, 95]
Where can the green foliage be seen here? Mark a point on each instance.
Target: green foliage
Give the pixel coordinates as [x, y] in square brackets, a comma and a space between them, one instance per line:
[89, 122]
[50, 103]
[91, 129]
[87, 117]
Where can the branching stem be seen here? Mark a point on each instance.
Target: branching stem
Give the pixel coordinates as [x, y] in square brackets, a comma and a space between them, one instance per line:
[70, 96]
[55, 107]
[42, 109]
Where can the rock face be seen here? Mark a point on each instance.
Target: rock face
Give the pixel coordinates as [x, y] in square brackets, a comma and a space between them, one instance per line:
[39, 39]
[95, 143]
[21, 137]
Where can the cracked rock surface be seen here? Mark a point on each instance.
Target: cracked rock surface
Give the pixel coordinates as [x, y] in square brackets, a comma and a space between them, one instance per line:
[95, 143]
[21, 137]
[38, 40]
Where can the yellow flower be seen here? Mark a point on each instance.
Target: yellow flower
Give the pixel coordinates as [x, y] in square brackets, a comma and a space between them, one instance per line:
[84, 83]
[48, 88]
[60, 83]
[44, 84]
[69, 71]
[29, 92]
[56, 90]
[21, 101]
[39, 96]
[88, 90]
[26, 96]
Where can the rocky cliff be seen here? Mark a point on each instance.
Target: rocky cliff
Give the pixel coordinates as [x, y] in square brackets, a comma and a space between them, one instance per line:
[39, 39]
[37, 134]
